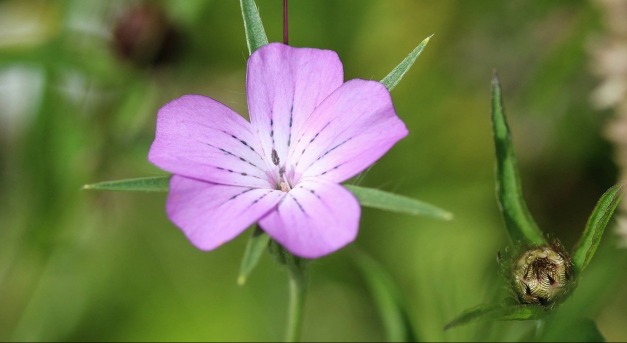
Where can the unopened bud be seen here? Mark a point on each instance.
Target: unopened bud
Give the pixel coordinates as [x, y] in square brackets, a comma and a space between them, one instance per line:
[144, 36]
[542, 274]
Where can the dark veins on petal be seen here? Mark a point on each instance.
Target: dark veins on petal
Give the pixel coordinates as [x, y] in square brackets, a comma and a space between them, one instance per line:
[241, 141]
[240, 193]
[311, 140]
[246, 191]
[328, 170]
[328, 152]
[310, 191]
[241, 173]
[261, 197]
[289, 138]
[272, 128]
[297, 203]
[226, 152]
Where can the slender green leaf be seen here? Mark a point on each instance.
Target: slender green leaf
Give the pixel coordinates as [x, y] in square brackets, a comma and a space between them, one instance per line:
[255, 34]
[143, 184]
[498, 312]
[395, 76]
[382, 200]
[519, 222]
[368, 197]
[587, 246]
[257, 244]
[387, 298]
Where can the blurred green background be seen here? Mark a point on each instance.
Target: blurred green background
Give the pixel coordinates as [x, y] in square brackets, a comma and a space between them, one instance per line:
[78, 99]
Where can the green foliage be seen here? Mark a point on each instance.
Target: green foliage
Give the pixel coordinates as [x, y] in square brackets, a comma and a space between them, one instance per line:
[391, 306]
[255, 33]
[395, 76]
[591, 237]
[520, 224]
[554, 329]
[524, 233]
[257, 244]
[71, 262]
[142, 184]
[382, 200]
[498, 312]
[368, 197]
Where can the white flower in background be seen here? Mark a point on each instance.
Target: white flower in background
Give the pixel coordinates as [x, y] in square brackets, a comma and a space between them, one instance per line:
[609, 62]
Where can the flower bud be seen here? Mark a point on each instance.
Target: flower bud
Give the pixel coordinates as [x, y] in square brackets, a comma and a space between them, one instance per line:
[542, 274]
[144, 36]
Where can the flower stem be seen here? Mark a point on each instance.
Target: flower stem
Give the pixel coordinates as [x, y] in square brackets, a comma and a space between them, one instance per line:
[539, 329]
[285, 26]
[298, 291]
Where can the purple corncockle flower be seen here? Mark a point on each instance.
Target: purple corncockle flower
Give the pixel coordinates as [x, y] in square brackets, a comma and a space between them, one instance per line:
[308, 131]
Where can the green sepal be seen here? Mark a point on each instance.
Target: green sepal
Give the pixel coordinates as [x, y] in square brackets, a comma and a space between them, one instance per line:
[597, 222]
[257, 244]
[368, 197]
[142, 184]
[382, 200]
[395, 76]
[255, 33]
[519, 222]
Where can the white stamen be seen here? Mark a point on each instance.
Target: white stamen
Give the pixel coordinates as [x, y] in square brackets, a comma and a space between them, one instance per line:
[284, 184]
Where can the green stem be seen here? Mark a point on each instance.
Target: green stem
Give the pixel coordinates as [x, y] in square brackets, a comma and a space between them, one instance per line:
[298, 291]
[539, 329]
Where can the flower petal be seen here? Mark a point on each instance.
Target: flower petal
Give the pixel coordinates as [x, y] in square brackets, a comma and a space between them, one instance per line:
[348, 132]
[211, 214]
[201, 138]
[284, 86]
[315, 218]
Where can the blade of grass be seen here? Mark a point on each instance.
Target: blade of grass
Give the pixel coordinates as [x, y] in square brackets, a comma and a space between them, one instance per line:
[518, 220]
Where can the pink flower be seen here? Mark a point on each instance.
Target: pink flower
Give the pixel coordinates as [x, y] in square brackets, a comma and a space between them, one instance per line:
[308, 132]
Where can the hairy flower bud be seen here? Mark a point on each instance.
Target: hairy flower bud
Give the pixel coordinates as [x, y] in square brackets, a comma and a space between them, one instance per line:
[542, 274]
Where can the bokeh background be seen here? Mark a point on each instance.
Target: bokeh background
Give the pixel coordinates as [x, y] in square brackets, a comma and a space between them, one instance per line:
[79, 91]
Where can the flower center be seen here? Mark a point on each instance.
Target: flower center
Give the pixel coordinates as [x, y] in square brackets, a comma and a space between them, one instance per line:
[282, 182]
[284, 185]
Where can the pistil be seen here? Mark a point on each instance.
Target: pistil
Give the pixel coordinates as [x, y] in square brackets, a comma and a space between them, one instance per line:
[284, 185]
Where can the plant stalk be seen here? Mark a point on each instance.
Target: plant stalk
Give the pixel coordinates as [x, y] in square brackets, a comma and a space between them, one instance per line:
[298, 291]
